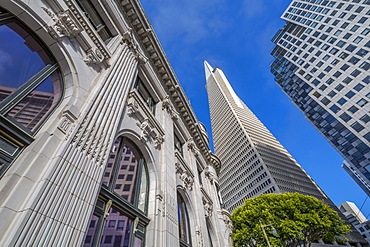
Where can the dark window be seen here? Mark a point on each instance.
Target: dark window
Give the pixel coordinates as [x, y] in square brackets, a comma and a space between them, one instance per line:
[347, 80]
[342, 101]
[351, 48]
[183, 222]
[337, 74]
[362, 52]
[334, 108]
[365, 66]
[339, 87]
[365, 118]
[144, 93]
[356, 126]
[355, 73]
[367, 137]
[358, 87]
[350, 94]
[353, 109]
[325, 101]
[95, 19]
[353, 60]
[345, 117]
[362, 20]
[366, 80]
[178, 145]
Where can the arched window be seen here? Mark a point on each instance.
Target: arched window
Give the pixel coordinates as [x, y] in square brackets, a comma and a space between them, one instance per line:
[30, 86]
[183, 222]
[120, 218]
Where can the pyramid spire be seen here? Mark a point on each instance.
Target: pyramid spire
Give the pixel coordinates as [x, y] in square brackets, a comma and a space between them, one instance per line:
[208, 69]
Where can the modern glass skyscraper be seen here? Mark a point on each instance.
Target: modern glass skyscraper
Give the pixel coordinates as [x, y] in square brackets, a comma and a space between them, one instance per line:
[253, 161]
[322, 63]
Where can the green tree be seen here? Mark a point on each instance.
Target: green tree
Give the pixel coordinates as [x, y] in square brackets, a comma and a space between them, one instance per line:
[297, 218]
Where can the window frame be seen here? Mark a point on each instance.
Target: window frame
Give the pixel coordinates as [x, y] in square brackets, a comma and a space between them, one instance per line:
[13, 132]
[113, 200]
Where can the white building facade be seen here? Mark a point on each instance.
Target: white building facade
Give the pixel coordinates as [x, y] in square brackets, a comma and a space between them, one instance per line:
[356, 218]
[117, 157]
[321, 63]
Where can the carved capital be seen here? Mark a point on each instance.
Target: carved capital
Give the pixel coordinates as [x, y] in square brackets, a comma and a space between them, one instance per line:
[185, 176]
[93, 57]
[193, 147]
[149, 126]
[166, 105]
[208, 207]
[129, 39]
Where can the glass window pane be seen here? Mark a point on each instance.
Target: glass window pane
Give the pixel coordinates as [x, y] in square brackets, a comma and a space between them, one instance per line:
[138, 242]
[143, 190]
[119, 234]
[19, 58]
[128, 169]
[91, 231]
[183, 221]
[33, 108]
[112, 159]
[95, 19]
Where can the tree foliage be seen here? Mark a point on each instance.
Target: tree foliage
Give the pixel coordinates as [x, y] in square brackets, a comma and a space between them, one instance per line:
[297, 218]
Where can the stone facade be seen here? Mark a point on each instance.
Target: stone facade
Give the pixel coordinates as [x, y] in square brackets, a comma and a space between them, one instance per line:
[107, 69]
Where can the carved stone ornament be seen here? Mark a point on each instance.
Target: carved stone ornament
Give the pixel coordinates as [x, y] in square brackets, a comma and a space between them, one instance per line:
[186, 177]
[161, 205]
[199, 236]
[208, 207]
[166, 105]
[93, 57]
[193, 147]
[149, 126]
[68, 119]
[209, 175]
[225, 216]
[128, 38]
[65, 24]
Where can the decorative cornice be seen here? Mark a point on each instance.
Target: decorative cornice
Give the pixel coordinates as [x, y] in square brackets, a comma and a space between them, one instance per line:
[151, 46]
[65, 24]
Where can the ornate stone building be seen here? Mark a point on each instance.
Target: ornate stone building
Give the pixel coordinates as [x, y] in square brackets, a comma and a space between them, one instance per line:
[115, 155]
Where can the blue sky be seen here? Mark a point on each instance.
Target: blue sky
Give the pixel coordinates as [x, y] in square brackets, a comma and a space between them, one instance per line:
[236, 36]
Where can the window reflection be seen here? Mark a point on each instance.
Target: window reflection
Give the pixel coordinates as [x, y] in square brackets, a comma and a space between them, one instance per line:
[18, 62]
[125, 175]
[125, 167]
[183, 222]
[30, 86]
